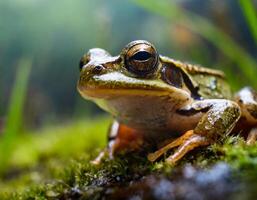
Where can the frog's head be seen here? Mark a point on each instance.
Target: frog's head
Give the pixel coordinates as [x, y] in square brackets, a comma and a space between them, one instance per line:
[138, 70]
[137, 75]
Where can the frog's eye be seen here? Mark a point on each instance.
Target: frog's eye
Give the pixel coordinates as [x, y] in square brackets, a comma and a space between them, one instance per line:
[141, 58]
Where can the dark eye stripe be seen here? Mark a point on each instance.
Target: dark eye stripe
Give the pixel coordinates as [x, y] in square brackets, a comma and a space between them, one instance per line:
[191, 87]
[141, 56]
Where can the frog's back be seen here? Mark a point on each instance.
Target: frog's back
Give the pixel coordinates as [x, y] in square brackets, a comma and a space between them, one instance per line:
[211, 84]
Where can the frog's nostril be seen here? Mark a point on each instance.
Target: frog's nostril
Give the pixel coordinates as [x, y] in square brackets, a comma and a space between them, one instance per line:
[97, 69]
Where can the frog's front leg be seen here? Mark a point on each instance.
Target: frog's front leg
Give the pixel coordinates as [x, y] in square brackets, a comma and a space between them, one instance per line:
[246, 98]
[218, 118]
[121, 138]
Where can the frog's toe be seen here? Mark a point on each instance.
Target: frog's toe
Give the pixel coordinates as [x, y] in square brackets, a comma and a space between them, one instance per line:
[188, 145]
[155, 155]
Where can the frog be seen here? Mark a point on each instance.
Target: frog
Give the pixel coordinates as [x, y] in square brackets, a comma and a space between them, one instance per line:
[161, 105]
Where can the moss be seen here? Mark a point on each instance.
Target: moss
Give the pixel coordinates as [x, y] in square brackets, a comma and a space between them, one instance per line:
[54, 164]
[63, 141]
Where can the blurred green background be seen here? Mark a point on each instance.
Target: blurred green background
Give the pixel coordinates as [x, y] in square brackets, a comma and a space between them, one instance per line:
[42, 41]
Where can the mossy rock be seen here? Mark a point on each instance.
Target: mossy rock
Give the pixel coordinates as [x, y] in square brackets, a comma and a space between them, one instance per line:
[62, 169]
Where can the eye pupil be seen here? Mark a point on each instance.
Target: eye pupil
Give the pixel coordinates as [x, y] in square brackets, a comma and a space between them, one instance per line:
[141, 56]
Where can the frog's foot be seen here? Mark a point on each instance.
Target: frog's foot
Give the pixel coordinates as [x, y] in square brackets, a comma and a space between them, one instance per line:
[154, 156]
[120, 139]
[186, 143]
[189, 144]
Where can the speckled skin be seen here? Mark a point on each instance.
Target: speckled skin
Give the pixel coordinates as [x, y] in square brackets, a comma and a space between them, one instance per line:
[155, 98]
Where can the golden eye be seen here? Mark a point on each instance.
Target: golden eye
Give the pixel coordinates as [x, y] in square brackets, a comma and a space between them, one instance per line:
[141, 58]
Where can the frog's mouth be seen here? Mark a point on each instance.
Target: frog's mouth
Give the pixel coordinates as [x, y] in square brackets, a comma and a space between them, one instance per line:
[116, 84]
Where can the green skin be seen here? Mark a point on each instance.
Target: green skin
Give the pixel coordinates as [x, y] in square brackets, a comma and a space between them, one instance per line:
[161, 98]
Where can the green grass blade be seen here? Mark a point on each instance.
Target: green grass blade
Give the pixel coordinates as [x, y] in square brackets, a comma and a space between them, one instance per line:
[207, 30]
[249, 11]
[14, 115]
